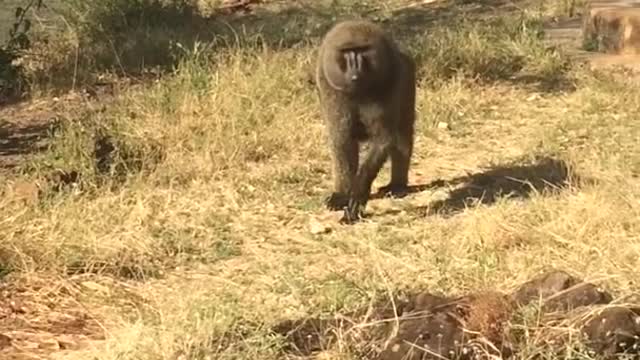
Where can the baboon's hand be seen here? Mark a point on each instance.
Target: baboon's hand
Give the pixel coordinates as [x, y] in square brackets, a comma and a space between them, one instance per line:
[336, 201]
[353, 212]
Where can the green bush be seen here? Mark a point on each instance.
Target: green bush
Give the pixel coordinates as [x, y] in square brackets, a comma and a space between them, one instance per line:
[130, 35]
[497, 49]
[11, 76]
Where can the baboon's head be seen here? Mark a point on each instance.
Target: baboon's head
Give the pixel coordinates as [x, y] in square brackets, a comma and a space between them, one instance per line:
[357, 57]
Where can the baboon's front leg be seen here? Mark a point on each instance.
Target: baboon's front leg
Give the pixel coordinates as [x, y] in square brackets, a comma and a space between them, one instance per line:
[344, 150]
[359, 196]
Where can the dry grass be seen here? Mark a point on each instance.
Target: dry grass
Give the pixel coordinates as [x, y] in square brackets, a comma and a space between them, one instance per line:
[223, 165]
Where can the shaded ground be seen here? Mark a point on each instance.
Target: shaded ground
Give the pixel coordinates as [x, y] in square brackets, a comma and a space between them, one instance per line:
[516, 181]
[139, 42]
[25, 136]
[25, 126]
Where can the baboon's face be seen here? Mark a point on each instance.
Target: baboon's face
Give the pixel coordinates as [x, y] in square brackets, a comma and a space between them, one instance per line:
[358, 66]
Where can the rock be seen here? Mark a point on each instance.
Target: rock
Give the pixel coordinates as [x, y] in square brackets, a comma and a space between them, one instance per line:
[614, 330]
[316, 227]
[443, 126]
[612, 26]
[49, 344]
[559, 291]
[543, 286]
[582, 294]
[423, 325]
[450, 329]
[488, 314]
[426, 301]
[533, 97]
[385, 309]
[417, 337]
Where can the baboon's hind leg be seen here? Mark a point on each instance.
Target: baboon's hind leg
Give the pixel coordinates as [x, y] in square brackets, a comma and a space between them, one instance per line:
[400, 156]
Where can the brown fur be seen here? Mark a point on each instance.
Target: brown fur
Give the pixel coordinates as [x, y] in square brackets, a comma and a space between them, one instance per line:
[380, 109]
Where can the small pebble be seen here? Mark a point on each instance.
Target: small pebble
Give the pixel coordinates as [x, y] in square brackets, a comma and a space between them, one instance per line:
[443, 125]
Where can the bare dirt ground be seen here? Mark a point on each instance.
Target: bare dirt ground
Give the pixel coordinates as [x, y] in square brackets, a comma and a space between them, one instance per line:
[24, 129]
[39, 316]
[25, 126]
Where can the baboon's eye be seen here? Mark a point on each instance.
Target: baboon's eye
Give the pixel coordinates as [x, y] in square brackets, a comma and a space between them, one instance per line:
[342, 63]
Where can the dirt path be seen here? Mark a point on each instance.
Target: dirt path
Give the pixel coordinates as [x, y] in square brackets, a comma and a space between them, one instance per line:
[26, 126]
[40, 315]
[23, 130]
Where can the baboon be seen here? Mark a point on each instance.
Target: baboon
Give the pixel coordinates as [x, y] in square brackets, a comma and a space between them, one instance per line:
[366, 86]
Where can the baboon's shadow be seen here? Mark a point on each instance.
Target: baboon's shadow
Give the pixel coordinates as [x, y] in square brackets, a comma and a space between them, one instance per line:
[514, 181]
[411, 189]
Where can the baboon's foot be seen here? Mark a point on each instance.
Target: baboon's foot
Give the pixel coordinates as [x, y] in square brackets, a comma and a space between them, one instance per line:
[394, 190]
[336, 201]
[353, 212]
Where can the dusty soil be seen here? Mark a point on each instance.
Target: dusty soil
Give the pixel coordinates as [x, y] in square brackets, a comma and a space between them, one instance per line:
[39, 316]
[26, 125]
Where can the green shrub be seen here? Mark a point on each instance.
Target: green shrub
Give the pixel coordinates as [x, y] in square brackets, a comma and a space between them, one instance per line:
[497, 49]
[11, 75]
